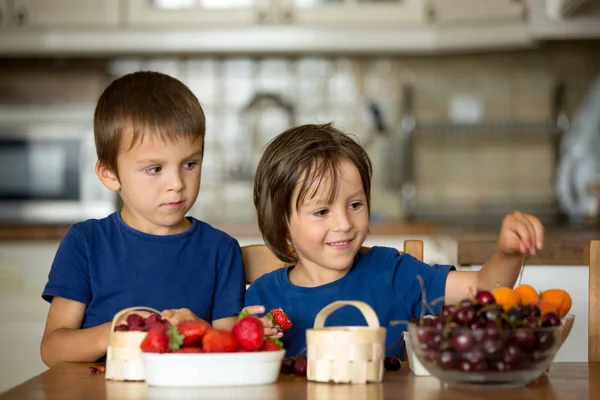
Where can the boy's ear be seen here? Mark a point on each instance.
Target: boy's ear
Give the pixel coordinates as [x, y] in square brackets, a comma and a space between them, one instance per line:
[107, 177]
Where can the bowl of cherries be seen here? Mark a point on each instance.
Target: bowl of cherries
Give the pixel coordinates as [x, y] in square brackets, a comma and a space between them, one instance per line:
[480, 342]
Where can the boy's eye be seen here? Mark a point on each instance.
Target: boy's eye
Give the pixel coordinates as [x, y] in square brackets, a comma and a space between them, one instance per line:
[356, 205]
[190, 164]
[320, 213]
[153, 170]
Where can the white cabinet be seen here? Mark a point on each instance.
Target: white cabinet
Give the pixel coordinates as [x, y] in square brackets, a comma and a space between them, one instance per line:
[353, 13]
[197, 13]
[477, 11]
[64, 13]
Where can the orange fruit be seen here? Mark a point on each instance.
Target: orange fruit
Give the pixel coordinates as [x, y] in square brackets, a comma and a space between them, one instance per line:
[527, 293]
[559, 298]
[506, 297]
[544, 306]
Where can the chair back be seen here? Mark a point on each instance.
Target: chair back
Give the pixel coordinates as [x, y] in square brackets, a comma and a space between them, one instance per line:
[259, 259]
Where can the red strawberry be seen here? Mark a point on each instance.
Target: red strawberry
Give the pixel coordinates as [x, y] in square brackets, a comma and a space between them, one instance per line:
[219, 341]
[271, 345]
[280, 320]
[249, 333]
[192, 331]
[162, 339]
[189, 350]
[156, 340]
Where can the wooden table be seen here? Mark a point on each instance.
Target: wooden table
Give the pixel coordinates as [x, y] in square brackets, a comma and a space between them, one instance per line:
[577, 381]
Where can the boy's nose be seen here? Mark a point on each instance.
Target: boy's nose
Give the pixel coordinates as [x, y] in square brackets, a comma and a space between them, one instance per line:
[176, 183]
[343, 222]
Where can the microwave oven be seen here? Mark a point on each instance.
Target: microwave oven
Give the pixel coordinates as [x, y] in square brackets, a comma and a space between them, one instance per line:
[47, 173]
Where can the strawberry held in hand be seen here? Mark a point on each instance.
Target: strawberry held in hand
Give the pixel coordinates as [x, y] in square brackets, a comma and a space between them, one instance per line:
[249, 333]
[280, 320]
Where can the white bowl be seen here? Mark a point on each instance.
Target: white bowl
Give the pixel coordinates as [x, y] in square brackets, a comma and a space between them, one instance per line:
[212, 369]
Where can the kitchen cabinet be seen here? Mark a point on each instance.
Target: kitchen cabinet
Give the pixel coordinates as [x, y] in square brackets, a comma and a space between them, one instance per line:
[354, 13]
[63, 13]
[3, 13]
[548, 23]
[197, 13]
[476, 11]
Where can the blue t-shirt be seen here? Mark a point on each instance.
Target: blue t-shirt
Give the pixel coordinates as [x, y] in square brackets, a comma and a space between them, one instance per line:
[109, 266]
[381, 277]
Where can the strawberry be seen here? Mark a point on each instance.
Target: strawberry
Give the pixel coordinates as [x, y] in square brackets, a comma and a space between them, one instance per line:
[271, 345]
[279, 318]
[249, 333]
[192, 332]
[189, 350]
[219, 341]
[161, 339]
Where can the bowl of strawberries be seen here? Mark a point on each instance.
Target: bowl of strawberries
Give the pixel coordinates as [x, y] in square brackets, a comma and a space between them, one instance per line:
[193, 354]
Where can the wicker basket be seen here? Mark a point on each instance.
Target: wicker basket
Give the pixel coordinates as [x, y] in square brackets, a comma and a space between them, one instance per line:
[346, 354]
[124, 356]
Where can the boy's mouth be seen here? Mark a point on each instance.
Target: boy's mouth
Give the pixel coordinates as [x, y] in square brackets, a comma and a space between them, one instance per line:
[175, 204]
[341, 244]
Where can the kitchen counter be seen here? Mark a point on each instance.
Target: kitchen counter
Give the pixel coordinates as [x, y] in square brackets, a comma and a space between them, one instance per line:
[563, 245]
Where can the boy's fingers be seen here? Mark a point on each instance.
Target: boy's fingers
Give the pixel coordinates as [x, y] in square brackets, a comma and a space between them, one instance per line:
[279, 335]
[271, 332]
[253, 310]
[539, 232]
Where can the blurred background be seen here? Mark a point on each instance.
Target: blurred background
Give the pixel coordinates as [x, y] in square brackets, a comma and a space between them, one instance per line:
[469, 109]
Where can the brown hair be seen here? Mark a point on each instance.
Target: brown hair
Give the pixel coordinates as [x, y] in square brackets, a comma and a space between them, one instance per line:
[306, 154]
[144, 103]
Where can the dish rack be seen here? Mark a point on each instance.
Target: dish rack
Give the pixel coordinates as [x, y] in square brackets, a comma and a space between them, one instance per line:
[477, 172]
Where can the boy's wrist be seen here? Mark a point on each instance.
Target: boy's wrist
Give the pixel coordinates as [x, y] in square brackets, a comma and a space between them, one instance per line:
[104, 335]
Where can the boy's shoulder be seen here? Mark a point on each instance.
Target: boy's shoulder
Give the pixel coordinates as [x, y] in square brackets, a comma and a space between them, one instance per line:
[212, 236]
[379, 254]
[268, 280]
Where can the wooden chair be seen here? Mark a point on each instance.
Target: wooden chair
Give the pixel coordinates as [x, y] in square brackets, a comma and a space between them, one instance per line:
[259, 260]
[594, 303]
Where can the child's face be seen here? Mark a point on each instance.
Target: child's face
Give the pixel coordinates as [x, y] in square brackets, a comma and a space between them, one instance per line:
[329, 236]
[159, 182]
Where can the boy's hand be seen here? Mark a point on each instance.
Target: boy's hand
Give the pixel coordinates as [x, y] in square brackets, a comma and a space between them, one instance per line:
[178, 315]
[520, 234]
[269, 331]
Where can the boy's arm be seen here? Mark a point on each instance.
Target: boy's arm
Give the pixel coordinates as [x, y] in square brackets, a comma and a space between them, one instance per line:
[229, 322]
[63, 340]
[520, 234]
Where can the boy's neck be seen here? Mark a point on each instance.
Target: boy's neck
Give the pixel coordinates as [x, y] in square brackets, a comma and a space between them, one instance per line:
[306, 275]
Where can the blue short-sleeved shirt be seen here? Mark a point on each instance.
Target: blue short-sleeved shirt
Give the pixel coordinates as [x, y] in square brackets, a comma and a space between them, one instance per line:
[381, 277]
[109, 266]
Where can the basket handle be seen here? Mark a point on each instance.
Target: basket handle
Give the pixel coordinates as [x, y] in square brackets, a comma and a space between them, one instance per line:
[126, 310]
[364, 308]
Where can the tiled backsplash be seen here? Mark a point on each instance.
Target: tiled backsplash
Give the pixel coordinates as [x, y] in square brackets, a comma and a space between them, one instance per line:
[502, 85]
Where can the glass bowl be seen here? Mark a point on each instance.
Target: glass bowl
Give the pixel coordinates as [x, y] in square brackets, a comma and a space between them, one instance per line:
[506, 357]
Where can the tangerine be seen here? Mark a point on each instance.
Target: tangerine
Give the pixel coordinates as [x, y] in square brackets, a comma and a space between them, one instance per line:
[506, 297]
[559, 298]
[527, 293]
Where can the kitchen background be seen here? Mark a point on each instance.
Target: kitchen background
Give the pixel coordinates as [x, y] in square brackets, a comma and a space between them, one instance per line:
[492, 114]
